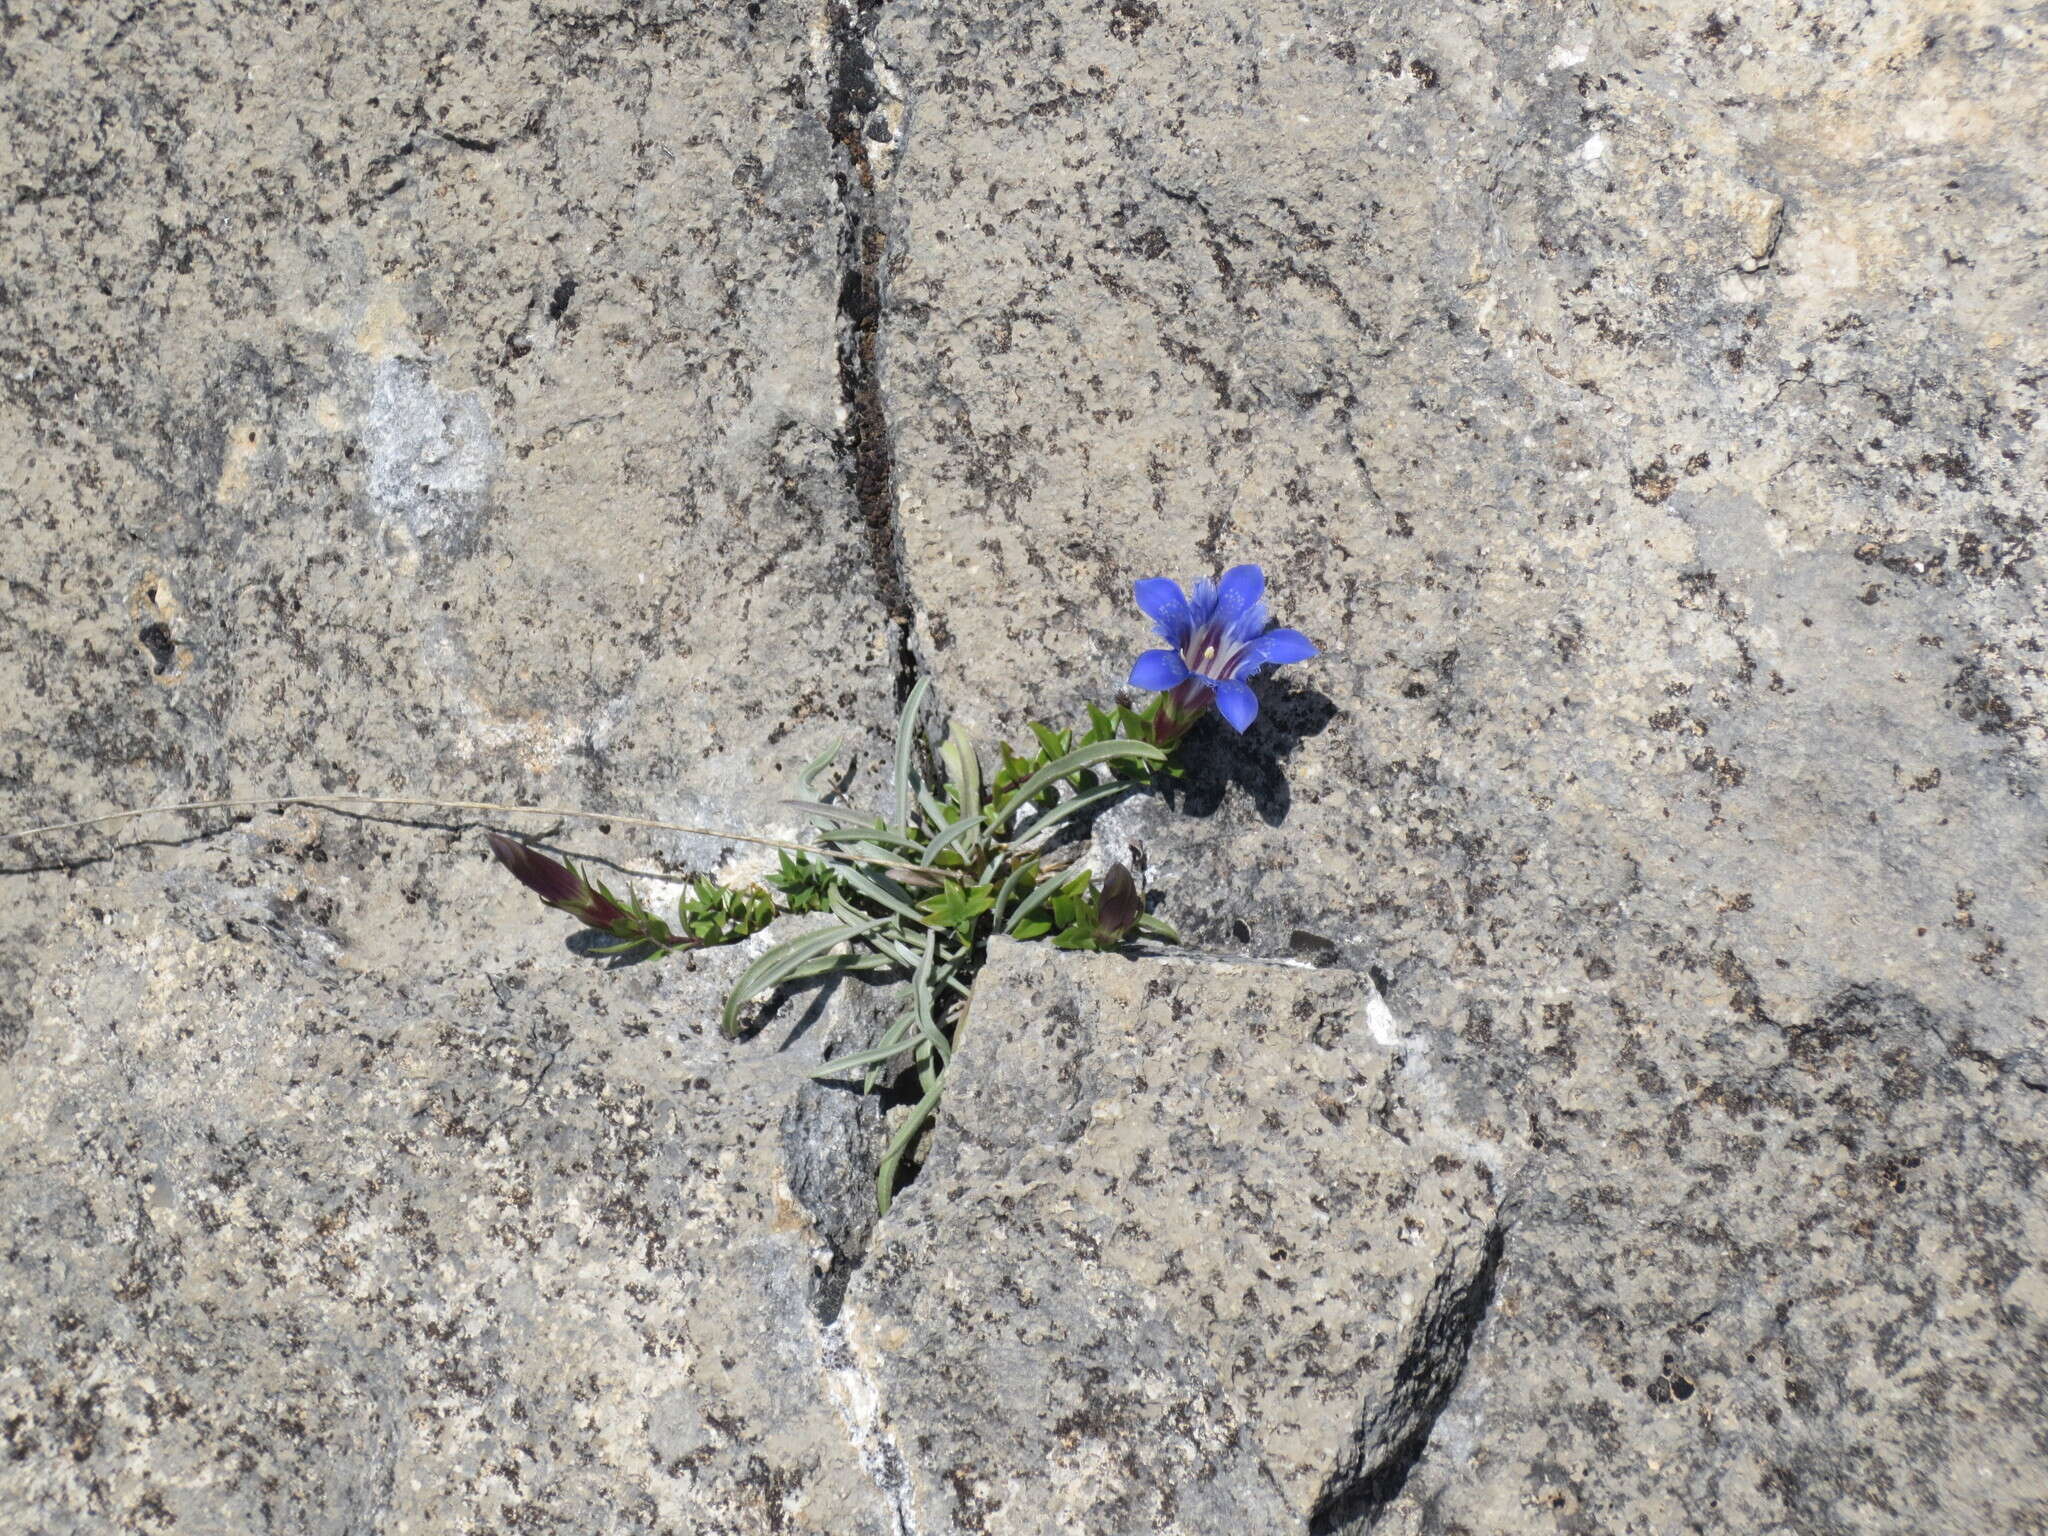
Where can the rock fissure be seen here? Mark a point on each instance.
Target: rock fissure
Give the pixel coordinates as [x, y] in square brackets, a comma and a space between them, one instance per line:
[854, 95]
[854, 1393]
[1432, 1365]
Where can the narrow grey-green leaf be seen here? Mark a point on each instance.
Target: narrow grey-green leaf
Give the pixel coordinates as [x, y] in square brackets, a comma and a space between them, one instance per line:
[884, 892]
[809, 777]
[829, 964]
[766, 971]
[880, 837]
[892, 1158]
[948, 835]
[1030, 904]
[845, 815]
[1157, 927]
[964, 765]
[906, 745]
[890, 939]
[1081, 757]
[1009, 889]
[923, 994]
[894, 1042]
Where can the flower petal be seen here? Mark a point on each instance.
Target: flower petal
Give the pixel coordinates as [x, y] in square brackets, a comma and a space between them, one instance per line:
[1237, 593]
[1166, 608]
[1202, 603]
[555, 884]
[1118, 905]
[1159, 671]
[1276, 649]
[1237, 704]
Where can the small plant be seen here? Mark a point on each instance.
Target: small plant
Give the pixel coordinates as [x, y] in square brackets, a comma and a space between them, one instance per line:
[706, 913]
[961, 855]
[963, 852]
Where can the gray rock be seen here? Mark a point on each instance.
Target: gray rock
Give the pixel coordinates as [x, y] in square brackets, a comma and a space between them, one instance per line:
[424, 401]
[451, 407]
[1186, 1256]
[294, 1245]
[1641, 409]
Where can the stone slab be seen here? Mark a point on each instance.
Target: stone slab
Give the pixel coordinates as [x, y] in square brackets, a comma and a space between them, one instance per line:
[1185, 1257]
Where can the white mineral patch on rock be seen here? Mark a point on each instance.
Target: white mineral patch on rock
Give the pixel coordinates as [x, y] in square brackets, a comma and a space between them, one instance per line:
[430, 453]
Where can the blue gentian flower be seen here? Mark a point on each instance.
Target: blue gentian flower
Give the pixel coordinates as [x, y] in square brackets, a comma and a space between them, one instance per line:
[1219, 640]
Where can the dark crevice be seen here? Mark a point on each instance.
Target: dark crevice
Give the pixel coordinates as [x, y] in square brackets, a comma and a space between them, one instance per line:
[465, 141]
[1432, 1364]
[854, 94]
[163, 650]
[831, 1144]
[833, 1137]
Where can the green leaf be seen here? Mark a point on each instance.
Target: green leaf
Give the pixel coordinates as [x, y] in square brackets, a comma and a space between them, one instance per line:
[807, 780]
[1051, 743]
[889, 940]
[899, 1144]
[806, 883]
[770, 968]
[963, 769]
[881, 890]
[1157, 927]
[1030, 904]
[957, 906]
[948, 835]
[891, 1045]
[844, 815]
[885, 841]
[1015, 770]
[1080, 757]
[827, 965]
[924, 998]
[1022, 870]
[906, 746]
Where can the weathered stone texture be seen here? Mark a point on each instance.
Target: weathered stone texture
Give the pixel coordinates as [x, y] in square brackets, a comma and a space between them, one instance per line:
[1187, 1257]
[294, 1246]
[425, 399]
[1642, 409]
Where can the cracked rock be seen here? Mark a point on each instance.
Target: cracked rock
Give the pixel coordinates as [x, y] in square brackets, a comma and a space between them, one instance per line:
[291, 1244]
[1186, 1257]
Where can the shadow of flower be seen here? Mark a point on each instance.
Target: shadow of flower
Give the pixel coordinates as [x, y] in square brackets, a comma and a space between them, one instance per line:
[1216, 757]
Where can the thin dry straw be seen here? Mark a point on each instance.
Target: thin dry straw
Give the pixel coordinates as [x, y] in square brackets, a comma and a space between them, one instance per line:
[330, 802]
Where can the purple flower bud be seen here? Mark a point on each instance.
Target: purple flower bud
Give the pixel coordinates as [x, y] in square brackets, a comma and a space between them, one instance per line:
[556, 884]
[1118, 906]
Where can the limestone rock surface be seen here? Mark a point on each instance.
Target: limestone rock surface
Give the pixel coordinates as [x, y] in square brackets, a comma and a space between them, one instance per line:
[1187, 1256]
[292, 1243]
[1642, 409]
[611, 404]
[430, 400]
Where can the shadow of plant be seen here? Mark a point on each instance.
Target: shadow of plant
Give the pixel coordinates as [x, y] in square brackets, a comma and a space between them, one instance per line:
[1216, 757]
